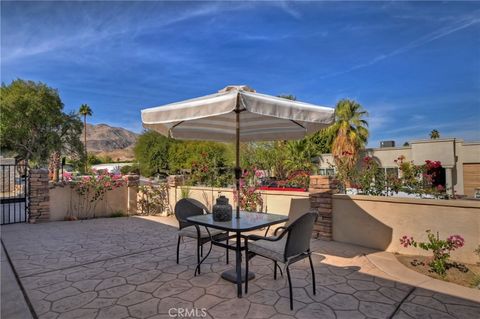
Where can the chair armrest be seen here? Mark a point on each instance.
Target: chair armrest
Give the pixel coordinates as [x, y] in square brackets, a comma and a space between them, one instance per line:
[279, 228]
[256, 237]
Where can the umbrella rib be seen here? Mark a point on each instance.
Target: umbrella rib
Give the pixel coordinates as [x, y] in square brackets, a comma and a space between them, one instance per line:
[176, 125]
[170, 129]
[298, 124]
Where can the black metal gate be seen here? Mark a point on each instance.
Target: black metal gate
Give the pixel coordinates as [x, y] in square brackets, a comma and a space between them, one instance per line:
[14, 191]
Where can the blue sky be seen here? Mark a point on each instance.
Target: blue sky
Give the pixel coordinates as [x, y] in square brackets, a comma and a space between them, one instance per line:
[413, 66]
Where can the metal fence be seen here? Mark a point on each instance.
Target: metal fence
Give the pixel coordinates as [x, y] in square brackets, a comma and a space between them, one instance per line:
[14, 191]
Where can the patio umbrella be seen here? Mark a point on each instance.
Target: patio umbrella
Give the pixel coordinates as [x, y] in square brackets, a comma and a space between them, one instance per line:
[237, 114]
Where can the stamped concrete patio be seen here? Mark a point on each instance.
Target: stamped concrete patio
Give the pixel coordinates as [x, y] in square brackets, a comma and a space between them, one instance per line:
[125, 268]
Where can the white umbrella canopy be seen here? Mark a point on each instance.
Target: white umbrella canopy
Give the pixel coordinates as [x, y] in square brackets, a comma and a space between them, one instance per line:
[237, 113]
[213, 117]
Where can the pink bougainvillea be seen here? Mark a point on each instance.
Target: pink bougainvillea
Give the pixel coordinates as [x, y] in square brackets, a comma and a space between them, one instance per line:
[456, 241]
[92, 188]
[440, 248]
[406, 241]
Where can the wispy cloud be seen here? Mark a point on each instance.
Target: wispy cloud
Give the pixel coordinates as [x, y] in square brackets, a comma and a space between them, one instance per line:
[437, 34]
[418, 117]
[93, 28]
[122, 56]
[287, 8]
[429, 125]
[378, 119]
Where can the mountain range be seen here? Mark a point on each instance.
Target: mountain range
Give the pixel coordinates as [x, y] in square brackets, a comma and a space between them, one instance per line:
[116, 142]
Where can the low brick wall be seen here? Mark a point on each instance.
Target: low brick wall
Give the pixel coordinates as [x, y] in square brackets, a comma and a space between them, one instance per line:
[321, 190]
[39, 196]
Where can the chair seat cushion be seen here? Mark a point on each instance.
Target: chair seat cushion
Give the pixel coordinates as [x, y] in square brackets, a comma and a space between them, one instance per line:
[271, 249]
[191, 231]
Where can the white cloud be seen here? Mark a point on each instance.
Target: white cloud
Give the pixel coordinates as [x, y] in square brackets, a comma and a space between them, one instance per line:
[285, 6]
[437, 34]
[418, 117]
[89, 28]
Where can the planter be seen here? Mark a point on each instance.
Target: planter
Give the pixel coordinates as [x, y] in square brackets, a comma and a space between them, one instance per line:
[222, 210]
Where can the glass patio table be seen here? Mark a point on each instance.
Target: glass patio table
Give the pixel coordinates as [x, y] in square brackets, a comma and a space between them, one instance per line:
[247, 222]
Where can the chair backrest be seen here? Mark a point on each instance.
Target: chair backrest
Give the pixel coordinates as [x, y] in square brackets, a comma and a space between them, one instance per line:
[187, 207]
[293, 215]
[299, 234]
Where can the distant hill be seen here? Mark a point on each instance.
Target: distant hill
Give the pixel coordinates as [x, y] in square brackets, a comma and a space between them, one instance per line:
[116, 142]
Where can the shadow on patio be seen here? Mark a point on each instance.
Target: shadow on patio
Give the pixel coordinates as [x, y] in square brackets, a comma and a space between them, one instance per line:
[125, 267]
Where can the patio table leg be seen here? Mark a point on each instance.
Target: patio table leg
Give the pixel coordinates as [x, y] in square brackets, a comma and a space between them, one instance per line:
[238, 261]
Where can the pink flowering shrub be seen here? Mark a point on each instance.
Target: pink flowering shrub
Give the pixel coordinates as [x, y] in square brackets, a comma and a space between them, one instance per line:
[426, 179]
[250, 200]
[441, 249]
[67, 176]
[92, 189]
[370, 179]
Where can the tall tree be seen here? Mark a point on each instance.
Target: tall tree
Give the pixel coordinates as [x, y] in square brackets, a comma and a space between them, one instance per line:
[85, 111]
[151, 152]
[269, 156]
[33, 124]
[68, 136]
[300, 154]
[434, 134]
[350, 130]
[323, 140]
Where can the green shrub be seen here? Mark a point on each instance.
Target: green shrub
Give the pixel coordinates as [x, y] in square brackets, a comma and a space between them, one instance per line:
[440, 248]
[117, 213]
[184, 192]
[130, 169]
[154, 199]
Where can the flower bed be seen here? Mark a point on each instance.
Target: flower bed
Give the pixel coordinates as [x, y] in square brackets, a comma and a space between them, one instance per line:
[285, 189]
[467, 275]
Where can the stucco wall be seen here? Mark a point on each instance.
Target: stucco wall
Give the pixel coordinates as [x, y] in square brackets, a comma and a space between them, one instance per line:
[470, 153]
[278, 202]
[441, 150]
[387, 156]
[379, 222]
[64, 201]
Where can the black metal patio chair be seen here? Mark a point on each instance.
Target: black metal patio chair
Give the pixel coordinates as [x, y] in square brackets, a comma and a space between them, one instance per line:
[290, 246]
[185, 208]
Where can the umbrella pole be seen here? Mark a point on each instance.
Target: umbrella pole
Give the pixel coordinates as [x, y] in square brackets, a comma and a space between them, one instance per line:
[237, 158]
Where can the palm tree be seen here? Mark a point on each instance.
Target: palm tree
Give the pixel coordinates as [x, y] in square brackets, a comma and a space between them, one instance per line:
[434, 134]
[300, 154]
[85, 110]
[350, 131]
